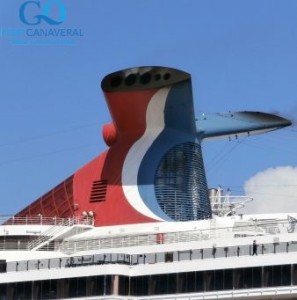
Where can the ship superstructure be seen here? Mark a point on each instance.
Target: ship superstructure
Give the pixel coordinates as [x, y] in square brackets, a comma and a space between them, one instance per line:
[139, 221]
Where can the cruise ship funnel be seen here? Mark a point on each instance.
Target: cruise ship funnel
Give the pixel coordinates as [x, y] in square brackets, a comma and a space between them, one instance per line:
[154, 153]
[153, 168]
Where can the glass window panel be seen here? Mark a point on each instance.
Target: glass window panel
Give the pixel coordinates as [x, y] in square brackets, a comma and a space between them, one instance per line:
[145, 285]
[228, 279]
[196, 254]
[171, 283]
[218, 280]
[139, 286]
[91, 286]
[98, 285]
[207, 253]
[24, 265]
[45, 289]
[267, 276]
[62, 288]
[150, 258]
[107, 283]
[152, 284]
[3, 266]
[245, 250]
[160, 257]
[276, 275]
[239, 278]
[11, 290]
[286, 275]
[184, 255]
[257, 277]
[133, 286]
[53, 293]
[191, 282]
[281, 247]
[81, 286]
[268, 248]
[55, 263]
[72, 287]
[36, 290]
[294, 274]
[28, 290]
[99, 259]
[293, 246]
[156, 281]
[232, 251]
[123, 285]
[247, 278]
[199, 282]
[20, 290]
[209, 280]
[181, 282]
[163, 284]
[11, 287]
[3, 291]
[220, 252]
[43, 264]
[134, 259]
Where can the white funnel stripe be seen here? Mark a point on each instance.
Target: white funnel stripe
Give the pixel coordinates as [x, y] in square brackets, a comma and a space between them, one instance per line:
[154, 126]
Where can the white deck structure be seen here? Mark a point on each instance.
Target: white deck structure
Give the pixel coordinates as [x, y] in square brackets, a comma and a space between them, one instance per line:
[46, 258]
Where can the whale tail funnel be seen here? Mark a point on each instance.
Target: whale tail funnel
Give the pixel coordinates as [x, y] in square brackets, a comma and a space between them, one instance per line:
[153, 168]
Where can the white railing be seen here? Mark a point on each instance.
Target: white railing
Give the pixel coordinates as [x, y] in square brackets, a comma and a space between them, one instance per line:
[193, 254]
[40, 220]
[263, 227]
[54, 228]
[51, 233]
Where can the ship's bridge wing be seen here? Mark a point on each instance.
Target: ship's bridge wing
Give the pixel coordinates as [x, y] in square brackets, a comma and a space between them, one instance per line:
[237, 123]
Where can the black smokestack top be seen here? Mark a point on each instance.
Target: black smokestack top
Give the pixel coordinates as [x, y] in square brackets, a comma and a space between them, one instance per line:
[142, 78]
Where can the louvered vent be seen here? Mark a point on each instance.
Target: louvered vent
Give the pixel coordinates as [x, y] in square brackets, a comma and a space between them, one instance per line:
[98, 192]
[180, 184]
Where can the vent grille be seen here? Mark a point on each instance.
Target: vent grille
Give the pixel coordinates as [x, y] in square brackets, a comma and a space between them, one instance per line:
[98, 192]
[180, 184]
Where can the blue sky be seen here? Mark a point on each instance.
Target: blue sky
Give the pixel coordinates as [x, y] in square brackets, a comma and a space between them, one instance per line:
[242, 56]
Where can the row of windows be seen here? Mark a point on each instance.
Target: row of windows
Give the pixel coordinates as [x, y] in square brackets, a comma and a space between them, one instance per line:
[215, 280]
[190, 282]
[57, 289]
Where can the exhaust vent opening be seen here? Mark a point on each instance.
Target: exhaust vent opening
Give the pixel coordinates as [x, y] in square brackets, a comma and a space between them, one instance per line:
[116, 81]
[98, 193]
[130, 79]
[145, 78]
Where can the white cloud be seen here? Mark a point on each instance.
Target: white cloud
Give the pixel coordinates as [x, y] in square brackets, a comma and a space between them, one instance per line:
[273, 190]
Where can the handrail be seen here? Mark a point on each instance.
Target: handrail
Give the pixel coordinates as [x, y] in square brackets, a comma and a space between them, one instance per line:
[258, 227]
[248, 228]
[150, 258]
[50, 234]
[41, 220]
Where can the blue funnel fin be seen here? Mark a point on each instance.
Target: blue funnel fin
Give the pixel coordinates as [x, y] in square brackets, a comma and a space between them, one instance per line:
[237, 123]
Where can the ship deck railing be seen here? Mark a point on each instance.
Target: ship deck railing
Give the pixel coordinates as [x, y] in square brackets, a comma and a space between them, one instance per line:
[41, 220]
[148, 258]
[238, 230]
[53, 227]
